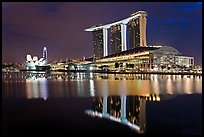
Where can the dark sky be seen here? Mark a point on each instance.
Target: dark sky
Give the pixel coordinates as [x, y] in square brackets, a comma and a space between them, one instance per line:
[28, 27]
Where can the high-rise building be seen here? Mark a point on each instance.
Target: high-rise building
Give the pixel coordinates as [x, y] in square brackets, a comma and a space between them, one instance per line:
[137, 30]
[135, 25]
[115, 39]
[134, 33]
[98, 43]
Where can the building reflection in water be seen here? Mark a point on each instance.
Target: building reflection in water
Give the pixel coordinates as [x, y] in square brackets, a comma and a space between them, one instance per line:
[127, 110]
[63, 84]
[92, 88]
[36, 87]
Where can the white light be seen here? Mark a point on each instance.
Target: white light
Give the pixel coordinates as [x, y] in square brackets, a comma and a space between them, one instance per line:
[92, 91]
[107, 116]
[35, 58]
[29, 58]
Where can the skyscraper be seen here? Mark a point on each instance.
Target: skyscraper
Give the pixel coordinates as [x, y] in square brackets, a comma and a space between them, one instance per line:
[135, 26]
[98, 43]
[137, 30]
[115, 39]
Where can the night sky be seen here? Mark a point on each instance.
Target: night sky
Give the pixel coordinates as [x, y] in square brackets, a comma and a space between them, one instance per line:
[28, 27]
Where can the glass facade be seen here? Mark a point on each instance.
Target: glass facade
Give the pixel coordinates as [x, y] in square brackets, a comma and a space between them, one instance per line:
[115, 39]
[98, 43]
[134, 33]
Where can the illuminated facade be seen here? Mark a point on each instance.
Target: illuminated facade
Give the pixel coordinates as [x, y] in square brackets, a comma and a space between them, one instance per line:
[45, 54]
[118, 31]
[132, 52]
[169, 59]
[151, 58]
[98, 43]
[34, 63]
[137, 31]
[115, 39]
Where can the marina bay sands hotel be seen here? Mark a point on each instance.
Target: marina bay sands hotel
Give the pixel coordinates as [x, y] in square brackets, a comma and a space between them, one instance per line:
[133, 26]
[122, 45]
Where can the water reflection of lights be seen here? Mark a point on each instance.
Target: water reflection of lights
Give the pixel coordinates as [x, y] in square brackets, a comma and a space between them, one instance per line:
[91, 75]
[179, 84]
[80, 76]
[122, 88]
[169, 85]
[80, 84]
[91, 84]
[155, 84]
[36, 88]
[135, 108]
[198, 84]
[92, 90]
[152, 97]
[187, 86]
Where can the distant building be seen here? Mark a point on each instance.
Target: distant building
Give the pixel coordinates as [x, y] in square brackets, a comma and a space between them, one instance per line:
[33, 63]
[58, 66]
[151, 58]
[169, 58]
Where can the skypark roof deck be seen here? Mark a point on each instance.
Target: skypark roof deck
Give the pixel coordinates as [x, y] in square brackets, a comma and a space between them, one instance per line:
[124, 21]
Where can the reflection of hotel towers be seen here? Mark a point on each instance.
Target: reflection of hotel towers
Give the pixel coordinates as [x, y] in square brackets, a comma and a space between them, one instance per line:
[136, 25]
[129, 109]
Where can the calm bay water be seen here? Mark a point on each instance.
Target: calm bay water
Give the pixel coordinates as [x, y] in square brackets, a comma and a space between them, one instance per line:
[74, 103]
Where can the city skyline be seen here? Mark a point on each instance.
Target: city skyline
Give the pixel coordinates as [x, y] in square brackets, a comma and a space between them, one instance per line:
[60, 27]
